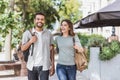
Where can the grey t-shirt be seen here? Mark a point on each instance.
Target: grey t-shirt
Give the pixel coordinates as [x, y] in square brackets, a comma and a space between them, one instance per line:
[66, 50]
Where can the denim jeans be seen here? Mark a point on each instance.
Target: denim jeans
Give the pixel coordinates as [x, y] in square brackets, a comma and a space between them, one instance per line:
[38, 74]
[66, 72]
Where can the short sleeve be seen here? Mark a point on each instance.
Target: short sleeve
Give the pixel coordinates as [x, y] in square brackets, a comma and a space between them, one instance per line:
[25, 37]
[51, 39]
[55, 41]
[77, 40]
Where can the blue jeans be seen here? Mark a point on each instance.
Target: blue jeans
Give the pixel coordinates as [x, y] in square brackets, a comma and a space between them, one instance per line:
[38, 74]
[66, 72]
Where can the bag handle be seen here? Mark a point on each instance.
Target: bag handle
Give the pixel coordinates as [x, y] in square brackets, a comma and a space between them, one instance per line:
[74, 44]
[76, 50]
[57, 49]
[73, 41]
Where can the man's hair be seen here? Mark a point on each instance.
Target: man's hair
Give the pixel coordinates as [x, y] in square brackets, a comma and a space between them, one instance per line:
[39, 13]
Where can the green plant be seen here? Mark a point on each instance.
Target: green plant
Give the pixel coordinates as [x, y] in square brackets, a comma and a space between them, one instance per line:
[83, 39]
[115, 46]
[96, 41]
[109, 50]
[106, 53]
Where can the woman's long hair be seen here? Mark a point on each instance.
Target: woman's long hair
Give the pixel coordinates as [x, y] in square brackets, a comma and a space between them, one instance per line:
[70, 24]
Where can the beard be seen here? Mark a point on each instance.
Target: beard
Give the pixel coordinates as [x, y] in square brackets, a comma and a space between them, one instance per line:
[39, 25]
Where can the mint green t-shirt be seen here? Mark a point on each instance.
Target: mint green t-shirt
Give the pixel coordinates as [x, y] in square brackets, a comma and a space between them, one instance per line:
[66, 50]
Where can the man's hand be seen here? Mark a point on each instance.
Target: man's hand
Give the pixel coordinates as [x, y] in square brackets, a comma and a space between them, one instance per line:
[33, 39]
[52, 70]
[27, 45]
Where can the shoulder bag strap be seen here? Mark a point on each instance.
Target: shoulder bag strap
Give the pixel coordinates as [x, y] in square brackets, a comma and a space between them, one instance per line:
[57, 49]
[76, 50]
[74, 44]
[73, 41]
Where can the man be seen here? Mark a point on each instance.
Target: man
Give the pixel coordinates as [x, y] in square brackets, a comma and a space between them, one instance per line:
[41, 62]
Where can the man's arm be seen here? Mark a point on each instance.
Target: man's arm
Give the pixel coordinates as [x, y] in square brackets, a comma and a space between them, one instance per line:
[52, 70]
[27, 45]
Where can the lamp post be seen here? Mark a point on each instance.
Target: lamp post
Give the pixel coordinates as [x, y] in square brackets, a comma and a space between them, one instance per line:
[113, 31]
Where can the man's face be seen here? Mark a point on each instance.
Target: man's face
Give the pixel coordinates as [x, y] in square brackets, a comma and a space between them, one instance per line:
[39, 21]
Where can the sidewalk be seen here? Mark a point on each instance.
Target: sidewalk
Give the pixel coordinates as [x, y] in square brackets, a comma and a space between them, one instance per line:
[54, 77]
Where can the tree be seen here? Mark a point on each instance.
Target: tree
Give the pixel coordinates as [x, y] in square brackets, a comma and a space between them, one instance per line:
[9, 20]
[6, 23]
[2, 7]
[30, 7]
[68, 9]
[17, 16]
[21, 16]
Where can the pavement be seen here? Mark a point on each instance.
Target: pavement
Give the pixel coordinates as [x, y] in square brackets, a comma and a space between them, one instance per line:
[54, 77]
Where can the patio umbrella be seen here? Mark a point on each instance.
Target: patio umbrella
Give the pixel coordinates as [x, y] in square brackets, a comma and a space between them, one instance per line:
[107, 16]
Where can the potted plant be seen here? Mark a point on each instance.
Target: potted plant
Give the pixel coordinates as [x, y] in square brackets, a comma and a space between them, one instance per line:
[109, 50]
[95, 42]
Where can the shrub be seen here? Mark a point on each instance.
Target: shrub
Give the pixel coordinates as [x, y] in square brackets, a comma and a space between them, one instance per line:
[83, 39]
[96, 41]
[110, 50]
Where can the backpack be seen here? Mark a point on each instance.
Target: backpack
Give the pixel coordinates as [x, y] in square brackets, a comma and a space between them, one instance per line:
[26, 53]
[15, 57]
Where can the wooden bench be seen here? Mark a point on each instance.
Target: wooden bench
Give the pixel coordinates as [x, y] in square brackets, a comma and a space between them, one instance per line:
[11, 65]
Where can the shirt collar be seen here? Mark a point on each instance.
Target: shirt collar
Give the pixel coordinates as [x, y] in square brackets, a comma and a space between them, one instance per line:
[33, 30]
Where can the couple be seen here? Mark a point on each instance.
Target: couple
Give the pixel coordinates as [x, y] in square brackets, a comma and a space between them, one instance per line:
[41, 64]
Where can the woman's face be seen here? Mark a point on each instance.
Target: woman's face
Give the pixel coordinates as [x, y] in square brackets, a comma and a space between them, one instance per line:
[64, 27]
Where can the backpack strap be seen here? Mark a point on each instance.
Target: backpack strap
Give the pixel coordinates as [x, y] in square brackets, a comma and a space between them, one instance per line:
[32, 45]
[30, 30]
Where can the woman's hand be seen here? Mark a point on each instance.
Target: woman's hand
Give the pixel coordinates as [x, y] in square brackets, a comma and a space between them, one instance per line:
[79, 49]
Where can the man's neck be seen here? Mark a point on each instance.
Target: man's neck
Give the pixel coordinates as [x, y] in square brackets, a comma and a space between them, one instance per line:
[39, 29]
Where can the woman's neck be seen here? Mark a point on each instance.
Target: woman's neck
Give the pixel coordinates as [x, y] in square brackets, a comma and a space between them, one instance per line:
[65, 35]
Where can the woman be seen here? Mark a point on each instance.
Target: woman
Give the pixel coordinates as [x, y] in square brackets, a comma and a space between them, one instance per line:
[66, 69]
